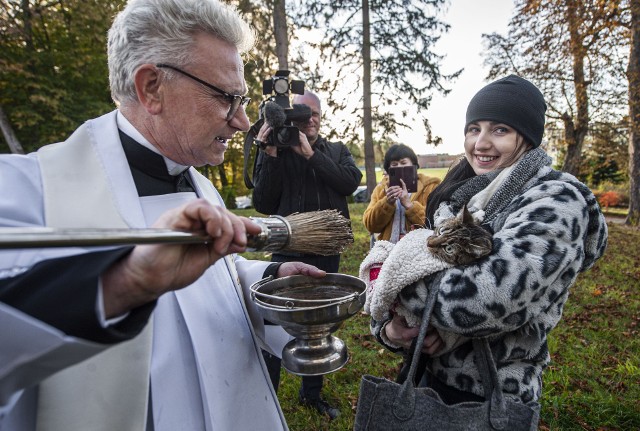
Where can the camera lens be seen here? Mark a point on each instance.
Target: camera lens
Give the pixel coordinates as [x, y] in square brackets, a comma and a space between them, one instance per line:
[280, 85]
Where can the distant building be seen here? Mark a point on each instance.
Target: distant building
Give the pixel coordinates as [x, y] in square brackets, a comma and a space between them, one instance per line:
[437, 160]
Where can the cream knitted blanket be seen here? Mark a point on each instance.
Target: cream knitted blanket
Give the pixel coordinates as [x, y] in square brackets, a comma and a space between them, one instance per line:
[403, 264]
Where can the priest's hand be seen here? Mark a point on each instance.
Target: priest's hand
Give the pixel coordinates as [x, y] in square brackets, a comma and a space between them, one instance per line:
[151, 270]
[299, 268]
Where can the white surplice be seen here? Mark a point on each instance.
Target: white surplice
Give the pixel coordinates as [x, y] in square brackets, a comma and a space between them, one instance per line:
[206, 371]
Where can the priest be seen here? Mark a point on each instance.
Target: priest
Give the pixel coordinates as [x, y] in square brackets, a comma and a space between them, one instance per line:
[176, 76]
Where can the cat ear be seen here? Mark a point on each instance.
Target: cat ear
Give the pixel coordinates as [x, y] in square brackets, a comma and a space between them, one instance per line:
[465, 216]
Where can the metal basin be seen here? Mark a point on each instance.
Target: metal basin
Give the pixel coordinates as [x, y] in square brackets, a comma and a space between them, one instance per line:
[311, 309]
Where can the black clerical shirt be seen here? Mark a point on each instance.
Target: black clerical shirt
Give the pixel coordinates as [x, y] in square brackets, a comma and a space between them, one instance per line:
[151, 178]
[149, 170]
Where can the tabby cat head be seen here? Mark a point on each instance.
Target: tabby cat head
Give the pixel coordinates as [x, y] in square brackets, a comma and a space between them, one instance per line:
[460, 240]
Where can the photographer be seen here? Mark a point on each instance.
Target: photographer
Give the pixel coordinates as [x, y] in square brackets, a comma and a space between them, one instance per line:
[314, 175]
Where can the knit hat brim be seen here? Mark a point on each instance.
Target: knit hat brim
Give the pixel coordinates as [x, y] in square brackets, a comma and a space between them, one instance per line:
[513, 101]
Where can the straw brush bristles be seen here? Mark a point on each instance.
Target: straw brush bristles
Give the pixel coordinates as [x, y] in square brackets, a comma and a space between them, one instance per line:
[323, 232]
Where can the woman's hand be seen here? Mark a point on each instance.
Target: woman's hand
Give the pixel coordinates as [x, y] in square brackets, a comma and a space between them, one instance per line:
[405, 199]
[400, 334]
[396, 192]
[393, 193]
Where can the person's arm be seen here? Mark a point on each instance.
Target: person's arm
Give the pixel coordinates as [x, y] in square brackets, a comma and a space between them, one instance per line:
[546, 240]
[267, 179]
[32, 349]
[344, 176]
[268, 175]
[392, 328]
[62, 292]
[151, 270]
[378, 330]
[267, 182]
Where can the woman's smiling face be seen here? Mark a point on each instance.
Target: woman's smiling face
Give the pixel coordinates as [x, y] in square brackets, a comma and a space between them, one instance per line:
[490, 145]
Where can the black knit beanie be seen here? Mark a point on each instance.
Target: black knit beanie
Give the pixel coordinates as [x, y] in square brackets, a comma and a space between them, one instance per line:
[513, 101]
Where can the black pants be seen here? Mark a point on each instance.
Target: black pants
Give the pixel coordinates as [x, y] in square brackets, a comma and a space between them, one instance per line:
[311, 385]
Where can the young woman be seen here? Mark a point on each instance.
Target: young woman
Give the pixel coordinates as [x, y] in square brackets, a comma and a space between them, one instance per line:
[392, 210]
[547, 227]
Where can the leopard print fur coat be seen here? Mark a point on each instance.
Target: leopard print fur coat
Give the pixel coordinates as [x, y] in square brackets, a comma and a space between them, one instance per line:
[547, 228]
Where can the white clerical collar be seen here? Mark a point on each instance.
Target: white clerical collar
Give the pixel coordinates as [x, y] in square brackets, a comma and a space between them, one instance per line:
[127, 128]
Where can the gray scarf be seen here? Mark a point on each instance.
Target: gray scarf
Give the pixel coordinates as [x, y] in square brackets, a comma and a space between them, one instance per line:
[398, 226]
[531, 163]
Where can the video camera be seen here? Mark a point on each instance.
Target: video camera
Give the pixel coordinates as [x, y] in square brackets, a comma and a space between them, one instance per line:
[278, 112]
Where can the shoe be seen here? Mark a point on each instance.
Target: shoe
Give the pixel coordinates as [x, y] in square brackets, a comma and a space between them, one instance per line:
[320, 405]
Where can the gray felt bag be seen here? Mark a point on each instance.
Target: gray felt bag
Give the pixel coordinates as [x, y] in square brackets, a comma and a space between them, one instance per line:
[388, 406]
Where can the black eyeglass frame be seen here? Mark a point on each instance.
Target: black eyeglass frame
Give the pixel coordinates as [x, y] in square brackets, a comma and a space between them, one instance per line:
[235, 100]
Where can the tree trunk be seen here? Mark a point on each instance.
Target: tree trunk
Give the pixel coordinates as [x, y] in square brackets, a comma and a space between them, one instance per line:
[9, 135]
[633, 74]
[280, 32]
[581, 123]
[223, 175]
[369, 155]
[26, 17]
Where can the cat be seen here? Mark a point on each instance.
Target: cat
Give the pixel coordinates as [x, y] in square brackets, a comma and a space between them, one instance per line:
[459, 240]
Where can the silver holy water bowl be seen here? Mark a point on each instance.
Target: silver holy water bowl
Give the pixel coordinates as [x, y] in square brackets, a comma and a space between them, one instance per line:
[310, 309]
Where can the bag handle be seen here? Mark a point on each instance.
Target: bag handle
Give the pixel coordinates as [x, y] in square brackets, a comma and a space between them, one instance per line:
[492, 387]
[404, 405]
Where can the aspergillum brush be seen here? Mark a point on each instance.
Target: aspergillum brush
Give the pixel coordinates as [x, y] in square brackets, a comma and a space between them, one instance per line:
[324, 233]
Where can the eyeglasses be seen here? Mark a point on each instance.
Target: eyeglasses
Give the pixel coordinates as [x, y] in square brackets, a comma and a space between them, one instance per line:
[235, 100]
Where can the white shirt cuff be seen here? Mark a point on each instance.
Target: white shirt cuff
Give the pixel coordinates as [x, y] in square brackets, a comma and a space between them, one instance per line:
[100, 310]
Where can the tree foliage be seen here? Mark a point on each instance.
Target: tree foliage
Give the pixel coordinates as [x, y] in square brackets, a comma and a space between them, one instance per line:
[575, 52]
[390, 44]
[53, 68]
[54, 76]
[605, 155]
[260, 62]
[403, 63]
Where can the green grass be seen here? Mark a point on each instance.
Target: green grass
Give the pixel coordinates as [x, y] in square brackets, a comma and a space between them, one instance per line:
[616, 211]
[593, 382]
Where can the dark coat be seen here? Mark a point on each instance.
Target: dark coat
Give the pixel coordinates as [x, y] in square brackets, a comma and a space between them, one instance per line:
[282, 183]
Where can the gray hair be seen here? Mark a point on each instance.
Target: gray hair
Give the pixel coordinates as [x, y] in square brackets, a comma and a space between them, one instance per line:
[161, 31]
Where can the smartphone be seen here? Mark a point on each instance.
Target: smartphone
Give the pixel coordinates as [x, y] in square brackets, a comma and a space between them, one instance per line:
[408, 174]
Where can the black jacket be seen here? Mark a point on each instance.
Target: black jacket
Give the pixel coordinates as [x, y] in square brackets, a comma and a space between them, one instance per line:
[285, 183]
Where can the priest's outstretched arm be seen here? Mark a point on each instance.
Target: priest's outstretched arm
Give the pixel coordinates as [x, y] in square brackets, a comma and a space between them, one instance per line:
[64, 310]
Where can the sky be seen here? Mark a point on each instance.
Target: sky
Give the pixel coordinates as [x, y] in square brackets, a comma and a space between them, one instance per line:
[462, 47]
[468, 19]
